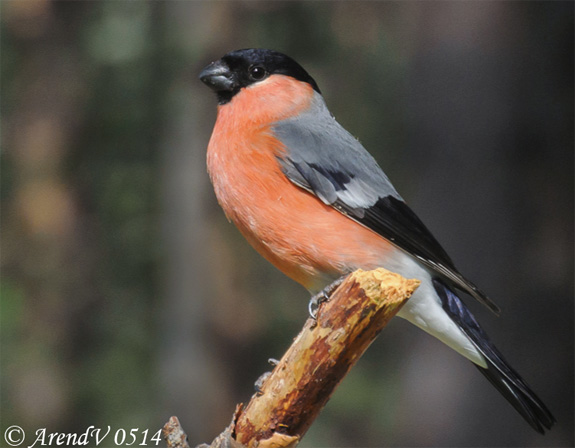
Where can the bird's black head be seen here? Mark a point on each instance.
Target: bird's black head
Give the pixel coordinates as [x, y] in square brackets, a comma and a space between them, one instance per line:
[242, 68]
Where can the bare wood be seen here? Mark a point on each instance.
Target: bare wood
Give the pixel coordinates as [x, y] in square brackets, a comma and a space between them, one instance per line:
[321, 355]
[319, 358]
[174, 435]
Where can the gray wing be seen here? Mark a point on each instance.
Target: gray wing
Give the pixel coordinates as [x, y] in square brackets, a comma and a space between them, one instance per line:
[324, 159]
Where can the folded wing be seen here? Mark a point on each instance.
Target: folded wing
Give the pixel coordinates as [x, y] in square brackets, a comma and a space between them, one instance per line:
[324, 159]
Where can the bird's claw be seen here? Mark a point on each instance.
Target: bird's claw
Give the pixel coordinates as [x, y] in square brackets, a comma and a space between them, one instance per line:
[259, 384]
[314, 303]
[322, 296]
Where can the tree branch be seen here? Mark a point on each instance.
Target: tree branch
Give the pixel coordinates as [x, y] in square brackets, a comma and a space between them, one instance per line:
[174, 435]
[293, 395]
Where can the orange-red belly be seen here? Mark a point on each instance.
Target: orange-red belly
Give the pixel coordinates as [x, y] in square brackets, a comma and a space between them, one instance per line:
[306, 239]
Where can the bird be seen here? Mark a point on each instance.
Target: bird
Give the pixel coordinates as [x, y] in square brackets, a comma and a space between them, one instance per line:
[312, 201]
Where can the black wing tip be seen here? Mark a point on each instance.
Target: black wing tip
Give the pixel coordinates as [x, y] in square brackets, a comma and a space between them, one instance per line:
[495, 310]
[485, 300]
[389, 212]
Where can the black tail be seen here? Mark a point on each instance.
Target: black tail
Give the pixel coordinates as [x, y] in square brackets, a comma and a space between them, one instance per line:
[498, 372]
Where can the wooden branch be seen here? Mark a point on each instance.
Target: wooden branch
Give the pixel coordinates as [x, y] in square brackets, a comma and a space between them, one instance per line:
[322, 354]
[174, 435]
[293, 395]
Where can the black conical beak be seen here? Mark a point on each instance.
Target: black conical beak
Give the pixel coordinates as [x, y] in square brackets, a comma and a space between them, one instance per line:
[217, 76]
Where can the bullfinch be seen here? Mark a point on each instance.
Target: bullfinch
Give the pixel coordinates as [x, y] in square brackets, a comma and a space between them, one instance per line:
[311, 200]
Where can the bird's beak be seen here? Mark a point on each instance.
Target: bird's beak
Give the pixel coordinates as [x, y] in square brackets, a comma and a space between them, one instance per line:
[217, 76]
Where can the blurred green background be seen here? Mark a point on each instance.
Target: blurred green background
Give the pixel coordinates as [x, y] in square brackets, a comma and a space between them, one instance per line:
[126, 296]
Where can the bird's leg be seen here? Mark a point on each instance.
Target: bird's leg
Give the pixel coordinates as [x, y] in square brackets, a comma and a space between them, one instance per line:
[323, 296]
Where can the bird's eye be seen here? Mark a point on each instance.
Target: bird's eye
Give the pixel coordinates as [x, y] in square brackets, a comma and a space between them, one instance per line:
[257, 72]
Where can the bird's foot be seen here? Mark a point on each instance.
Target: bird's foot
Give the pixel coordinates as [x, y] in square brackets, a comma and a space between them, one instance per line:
[264, 376]
[259, 384]
[323, 296]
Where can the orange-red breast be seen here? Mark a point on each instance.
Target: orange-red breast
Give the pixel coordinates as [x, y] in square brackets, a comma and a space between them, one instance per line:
[309, 198]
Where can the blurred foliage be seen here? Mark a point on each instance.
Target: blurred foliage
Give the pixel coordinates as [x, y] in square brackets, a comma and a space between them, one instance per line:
[126, 297]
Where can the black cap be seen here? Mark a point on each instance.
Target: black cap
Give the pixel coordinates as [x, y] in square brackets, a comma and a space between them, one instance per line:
[242, 68]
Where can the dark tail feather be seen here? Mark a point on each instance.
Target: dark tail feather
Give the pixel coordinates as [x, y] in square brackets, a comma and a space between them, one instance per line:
[521, 397]
[498, 371]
